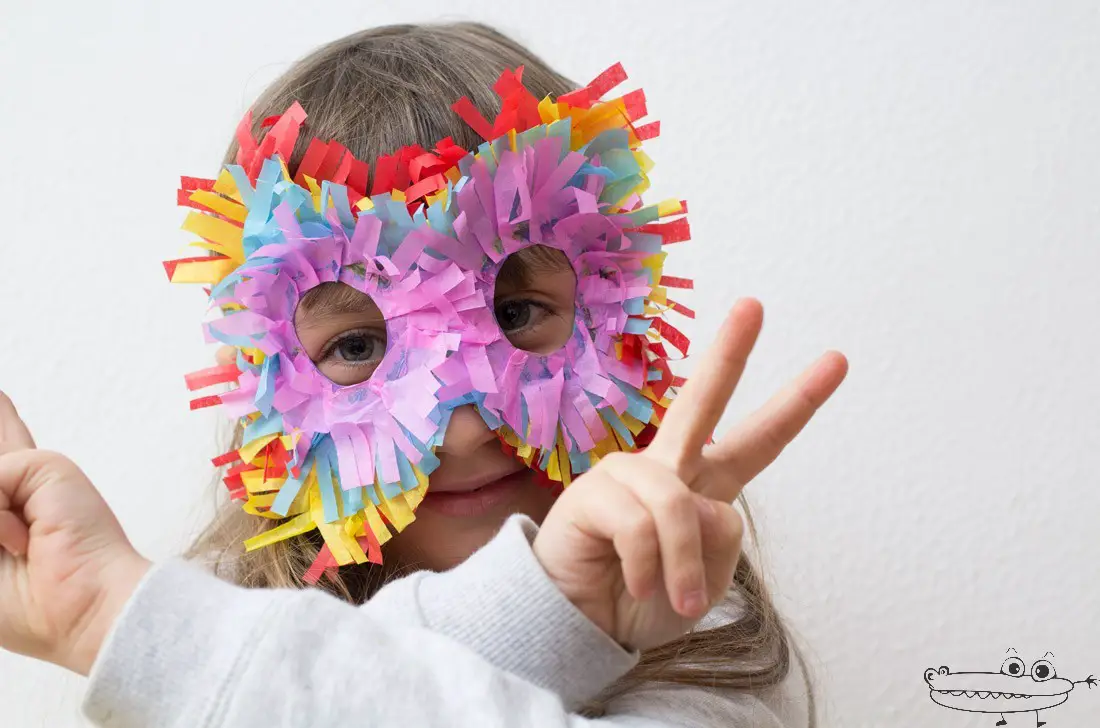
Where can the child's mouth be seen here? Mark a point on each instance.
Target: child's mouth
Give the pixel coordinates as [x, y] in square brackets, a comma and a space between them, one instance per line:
[476, 501]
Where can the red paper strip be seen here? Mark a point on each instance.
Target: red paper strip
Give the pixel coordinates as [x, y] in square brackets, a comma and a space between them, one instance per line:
[331, 162]
[648, 131]
[425, 187]
[674, 282]
[672, 335]
[225, 458]
[583, 98]
[211, 376]
[679, 381]
[384, 170]
[369, 543]
[681, 309]
[671, 232]
[634, 102]
[183, 199]
[657, 349]
[240, 468]
[275, 459]
[660, 386]
[357, 178]
[246, 144]
[286, 130]
[473, 118]
[341, 174]
[315, 154]
[324, 561]
[211, 401]
[196, 183]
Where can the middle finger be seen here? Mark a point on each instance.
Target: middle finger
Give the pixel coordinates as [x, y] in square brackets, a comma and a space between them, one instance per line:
[754, 444]
[697, 408]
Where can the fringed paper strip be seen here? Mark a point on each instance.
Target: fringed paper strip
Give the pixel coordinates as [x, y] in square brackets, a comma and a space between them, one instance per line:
[424, 233]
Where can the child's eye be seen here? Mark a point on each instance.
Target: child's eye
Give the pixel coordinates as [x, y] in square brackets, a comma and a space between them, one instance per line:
[352, 357]
[532, 325]
[514, 315]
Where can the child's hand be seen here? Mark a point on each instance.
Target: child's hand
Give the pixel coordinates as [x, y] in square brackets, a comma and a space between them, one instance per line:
[66, 567]
[646, 543]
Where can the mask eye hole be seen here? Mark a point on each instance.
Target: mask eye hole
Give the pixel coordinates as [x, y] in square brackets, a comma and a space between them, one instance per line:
[1013, 666]
[1042, 670]
[534, 299]
[343, 332]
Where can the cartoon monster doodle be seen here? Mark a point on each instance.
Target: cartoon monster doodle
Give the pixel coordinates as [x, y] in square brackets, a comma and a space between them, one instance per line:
[1012, 690]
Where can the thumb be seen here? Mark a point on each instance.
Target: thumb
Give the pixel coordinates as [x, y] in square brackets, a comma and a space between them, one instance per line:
[13, 431]
[14, 436]
[44, 486]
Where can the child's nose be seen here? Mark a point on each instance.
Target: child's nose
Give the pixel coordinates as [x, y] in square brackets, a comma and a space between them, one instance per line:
[466, 432]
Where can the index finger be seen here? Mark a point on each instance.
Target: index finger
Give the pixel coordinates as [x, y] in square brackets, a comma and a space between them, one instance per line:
[696, 410]
[14, 434]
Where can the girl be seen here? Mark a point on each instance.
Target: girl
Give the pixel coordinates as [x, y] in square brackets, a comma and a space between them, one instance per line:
[523, 605]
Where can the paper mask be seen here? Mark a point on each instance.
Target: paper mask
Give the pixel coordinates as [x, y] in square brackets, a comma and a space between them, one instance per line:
[424, 234]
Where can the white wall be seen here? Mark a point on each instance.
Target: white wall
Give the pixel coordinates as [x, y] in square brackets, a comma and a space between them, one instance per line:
[915, 184]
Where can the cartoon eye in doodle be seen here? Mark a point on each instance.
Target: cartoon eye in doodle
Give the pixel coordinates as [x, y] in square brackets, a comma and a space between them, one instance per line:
[1042, 670]
[1013, 666]
[929, 674]
[944, 670]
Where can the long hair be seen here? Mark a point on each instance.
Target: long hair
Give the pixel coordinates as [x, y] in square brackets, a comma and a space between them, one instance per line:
[375, 91]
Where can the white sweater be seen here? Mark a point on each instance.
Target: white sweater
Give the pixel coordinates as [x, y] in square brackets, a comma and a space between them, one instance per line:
[491, 642]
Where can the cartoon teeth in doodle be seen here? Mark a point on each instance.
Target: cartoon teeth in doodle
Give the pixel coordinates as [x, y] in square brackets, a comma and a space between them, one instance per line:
[1012, 690]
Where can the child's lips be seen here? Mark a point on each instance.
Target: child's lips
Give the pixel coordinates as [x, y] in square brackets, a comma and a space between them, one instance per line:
[473, 500]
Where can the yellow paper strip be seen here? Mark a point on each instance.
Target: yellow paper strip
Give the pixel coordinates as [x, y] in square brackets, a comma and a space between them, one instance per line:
[249, 450]
[255, 482]
[226, 185]
[397, 511]
[227, 235]
[222, 205]
[294, 527]
[374, 522]
[204, 271]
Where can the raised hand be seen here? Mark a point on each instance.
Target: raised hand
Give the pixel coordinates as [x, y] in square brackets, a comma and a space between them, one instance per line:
[66, 567]
[646, 543]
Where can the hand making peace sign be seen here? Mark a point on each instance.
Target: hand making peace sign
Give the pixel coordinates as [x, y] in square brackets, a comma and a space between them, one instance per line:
[645, 543]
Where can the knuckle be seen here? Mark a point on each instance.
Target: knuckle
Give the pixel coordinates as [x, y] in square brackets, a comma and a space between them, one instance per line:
[641, 527]
[775, 438]
[614, 460]
[51, 460]
[733, 526]
[677, 502]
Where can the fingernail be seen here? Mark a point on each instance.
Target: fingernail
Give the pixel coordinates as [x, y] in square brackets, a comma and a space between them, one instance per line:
[695, 602]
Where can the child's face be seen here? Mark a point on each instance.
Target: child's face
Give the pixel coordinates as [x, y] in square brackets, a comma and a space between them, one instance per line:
[477, 485]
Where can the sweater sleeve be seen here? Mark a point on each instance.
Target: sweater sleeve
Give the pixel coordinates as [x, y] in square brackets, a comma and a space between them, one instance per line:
[501, 604]
[491, 642]
[191, 650]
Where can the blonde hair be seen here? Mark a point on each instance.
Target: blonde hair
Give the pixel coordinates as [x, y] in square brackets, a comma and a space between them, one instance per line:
[375, 91]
